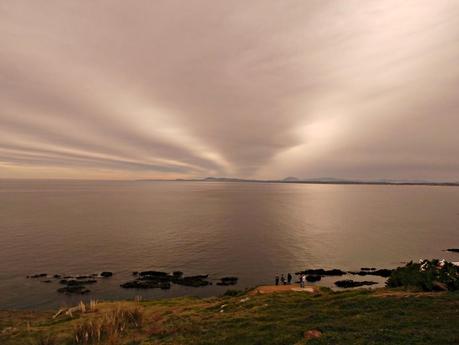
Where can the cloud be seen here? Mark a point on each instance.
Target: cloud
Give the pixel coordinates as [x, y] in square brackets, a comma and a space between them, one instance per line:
[261, 89]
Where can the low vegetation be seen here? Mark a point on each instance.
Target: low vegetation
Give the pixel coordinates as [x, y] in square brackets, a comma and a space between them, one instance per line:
[382, 316]
[427, 275]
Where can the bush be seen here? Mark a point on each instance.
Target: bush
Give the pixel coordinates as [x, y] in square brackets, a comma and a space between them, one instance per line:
[426, 276]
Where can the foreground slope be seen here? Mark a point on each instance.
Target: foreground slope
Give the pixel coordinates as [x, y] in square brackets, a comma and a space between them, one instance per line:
[352, 317]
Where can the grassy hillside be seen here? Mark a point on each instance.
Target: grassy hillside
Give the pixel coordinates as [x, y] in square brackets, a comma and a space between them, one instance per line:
[351, 317]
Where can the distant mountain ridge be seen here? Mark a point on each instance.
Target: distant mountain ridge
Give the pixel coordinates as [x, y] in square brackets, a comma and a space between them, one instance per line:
[321, 180]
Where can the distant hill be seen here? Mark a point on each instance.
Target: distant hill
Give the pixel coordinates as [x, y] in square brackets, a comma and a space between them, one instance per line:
[291, 179]
[321, 180]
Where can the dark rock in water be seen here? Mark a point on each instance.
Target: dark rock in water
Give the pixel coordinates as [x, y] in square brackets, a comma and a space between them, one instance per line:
[194, 281]
[146, 284]
[322, 272]
[348, 283]
[313, 278]
[68, 277]
[46, 281]
[334, 272]
[73, 282]
[368, 269]
[382, 272]
[153, 274]
[226, 281]
[135, 273]
[165, 285]
[40, 275]
[82, 277]
[106, 274]
[57, 276]
[454, 250]
[155, 279]
[73, 289]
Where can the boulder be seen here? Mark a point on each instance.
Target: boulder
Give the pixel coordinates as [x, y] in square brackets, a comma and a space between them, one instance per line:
[454, 250]
[106, 274]
[312, 334]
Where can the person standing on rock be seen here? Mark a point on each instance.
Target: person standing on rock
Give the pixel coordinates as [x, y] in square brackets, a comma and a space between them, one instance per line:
[302, 280]
[289, 278]
[277, 279]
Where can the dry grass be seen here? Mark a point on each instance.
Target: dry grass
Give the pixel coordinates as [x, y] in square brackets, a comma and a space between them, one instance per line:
[108, 327]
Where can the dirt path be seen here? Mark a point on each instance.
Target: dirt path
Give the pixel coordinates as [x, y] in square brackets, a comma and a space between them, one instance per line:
[265, 289]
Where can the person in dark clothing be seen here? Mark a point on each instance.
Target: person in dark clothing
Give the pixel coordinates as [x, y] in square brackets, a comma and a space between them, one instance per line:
[289, 278]
[283, 280]
[277, 279]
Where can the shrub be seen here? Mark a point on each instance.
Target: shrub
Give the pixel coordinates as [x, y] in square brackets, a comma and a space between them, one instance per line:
[426, 275]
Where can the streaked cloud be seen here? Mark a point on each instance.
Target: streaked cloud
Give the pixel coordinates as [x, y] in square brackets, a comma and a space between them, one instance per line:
[265, 89]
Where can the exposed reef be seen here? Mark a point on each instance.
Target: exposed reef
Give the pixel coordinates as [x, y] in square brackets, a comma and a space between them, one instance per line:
[226, 281]
[73, 284]
[349, 283]
[163, 280]
[373, 272]
[322, 272]
[313, 278]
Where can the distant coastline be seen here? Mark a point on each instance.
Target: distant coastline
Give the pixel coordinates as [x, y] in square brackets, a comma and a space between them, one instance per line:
[317, 181]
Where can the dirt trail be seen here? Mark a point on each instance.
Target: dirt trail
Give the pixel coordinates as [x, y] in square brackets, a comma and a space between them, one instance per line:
[265, 289]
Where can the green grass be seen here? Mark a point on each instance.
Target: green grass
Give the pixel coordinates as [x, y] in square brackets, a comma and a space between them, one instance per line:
[352, 317]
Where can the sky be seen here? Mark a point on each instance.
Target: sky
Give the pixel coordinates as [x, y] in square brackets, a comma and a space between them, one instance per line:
[265, 89]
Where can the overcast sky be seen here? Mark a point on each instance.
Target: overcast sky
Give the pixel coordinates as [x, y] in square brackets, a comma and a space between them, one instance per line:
[255, 89]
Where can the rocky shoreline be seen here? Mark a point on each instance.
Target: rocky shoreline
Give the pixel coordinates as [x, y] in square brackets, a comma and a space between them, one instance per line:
[163, 280]
[144, 280]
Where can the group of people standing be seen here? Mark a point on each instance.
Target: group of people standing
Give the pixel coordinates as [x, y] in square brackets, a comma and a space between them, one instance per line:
[283, 281]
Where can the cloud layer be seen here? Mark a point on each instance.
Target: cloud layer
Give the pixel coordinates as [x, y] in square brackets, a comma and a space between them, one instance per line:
[264, 89]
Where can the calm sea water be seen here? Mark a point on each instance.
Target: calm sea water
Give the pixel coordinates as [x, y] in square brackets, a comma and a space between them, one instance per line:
[250, 230]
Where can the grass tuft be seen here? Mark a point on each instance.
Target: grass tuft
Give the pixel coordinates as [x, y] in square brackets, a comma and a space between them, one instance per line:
[109, 327]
